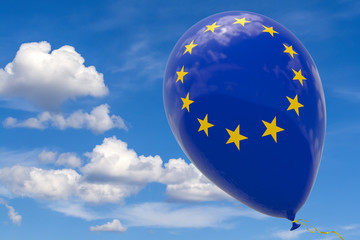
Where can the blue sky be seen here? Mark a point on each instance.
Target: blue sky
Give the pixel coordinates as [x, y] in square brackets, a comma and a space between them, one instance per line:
[86, 152]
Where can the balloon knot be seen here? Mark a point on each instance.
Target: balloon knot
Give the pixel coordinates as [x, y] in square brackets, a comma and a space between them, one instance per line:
[295, 225]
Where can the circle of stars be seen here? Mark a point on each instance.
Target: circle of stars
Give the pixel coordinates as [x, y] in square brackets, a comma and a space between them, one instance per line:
[272, 129]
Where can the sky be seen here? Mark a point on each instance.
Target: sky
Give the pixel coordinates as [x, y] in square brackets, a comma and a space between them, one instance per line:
[85, 147]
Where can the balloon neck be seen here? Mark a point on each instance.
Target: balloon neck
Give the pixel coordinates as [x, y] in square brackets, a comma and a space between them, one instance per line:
[295, 225]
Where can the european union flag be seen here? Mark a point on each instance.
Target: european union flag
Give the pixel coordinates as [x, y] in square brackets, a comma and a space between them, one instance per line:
[244, 100]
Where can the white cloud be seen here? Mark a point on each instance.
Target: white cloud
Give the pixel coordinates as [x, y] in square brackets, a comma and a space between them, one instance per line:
[11, 122]
[114, 226]
[64, 184]
[74, 209]
[178, 216]
[98, 120]
[46, 157]
[161, 214]
[186, 183]
[13, 215]
[285, 235]
[48, 79]
[113, 161]
[100, 193]
[351, 227]
[68, 160]
[113, 173]
[39, 183]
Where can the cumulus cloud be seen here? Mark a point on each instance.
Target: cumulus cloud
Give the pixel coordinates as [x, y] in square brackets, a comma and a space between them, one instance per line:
[68, 160]
[13, 215]
[98, 120]
[46, 157]
[114, 226]
[100, 193]
[62, 184]
[186, 183]
[65, 159]
[47, 79]
[39, 183]
[11, 122]
[112, 173]
[114, 161]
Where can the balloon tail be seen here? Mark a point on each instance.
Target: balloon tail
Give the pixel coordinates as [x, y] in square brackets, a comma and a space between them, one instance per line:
[295, 226]
[301, 221]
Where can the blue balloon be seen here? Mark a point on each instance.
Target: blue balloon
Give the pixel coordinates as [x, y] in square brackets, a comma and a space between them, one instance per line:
[245, 102]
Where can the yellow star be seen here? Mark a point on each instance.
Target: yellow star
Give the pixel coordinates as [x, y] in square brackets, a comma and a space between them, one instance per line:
[241, 21]
[212, 27]
[235, 137]
[204, 125]
[270, 30]
[289, 50]
[272, 129]
[186, 102]
[181, 75]
[299, 76]
[294, 104]
[190, 47]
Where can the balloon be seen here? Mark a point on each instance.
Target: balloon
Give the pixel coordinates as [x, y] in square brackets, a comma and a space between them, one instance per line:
[245, 102]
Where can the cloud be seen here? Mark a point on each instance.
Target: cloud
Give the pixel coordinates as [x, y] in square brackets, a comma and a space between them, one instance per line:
[186, 183]
[142, 63]
[46, 157]
[351, 227]
[347, 94]
[285, 235]
[162, 214]
[114, 161]
[62, 184]
[68, 160]
[114, 226]
[48, 79]
[13, 215]
[178, 216]
[39, 183]
[14, 157]
[11, 122]
[100, 193]
[98, 120]
[65, 159]
[74, 209]
[112, 173]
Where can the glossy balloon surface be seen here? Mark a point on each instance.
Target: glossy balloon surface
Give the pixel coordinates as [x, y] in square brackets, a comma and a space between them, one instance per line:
[247, 107]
